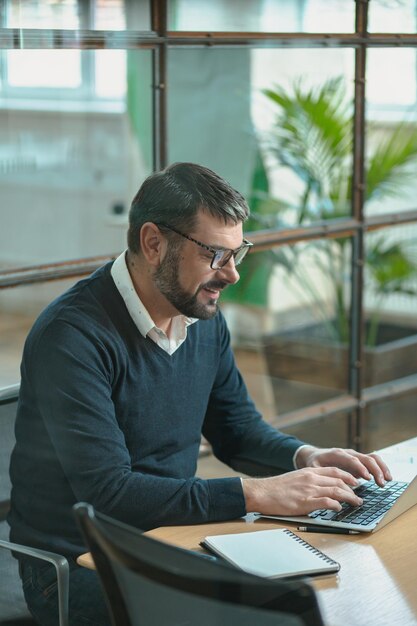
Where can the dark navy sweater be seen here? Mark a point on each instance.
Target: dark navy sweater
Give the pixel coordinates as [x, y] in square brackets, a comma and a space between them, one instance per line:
[107, 417]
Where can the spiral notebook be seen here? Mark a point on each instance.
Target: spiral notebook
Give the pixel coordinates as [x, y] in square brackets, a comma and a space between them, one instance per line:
[277, 553]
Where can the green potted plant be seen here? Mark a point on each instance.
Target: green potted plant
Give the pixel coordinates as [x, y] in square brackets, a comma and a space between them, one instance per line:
[312, 138]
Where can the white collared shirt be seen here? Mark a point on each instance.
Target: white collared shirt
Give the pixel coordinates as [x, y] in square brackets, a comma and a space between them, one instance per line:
[141, 317]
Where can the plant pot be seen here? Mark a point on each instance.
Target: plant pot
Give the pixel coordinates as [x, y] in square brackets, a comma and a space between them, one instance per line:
[306, 367]
[306, 355]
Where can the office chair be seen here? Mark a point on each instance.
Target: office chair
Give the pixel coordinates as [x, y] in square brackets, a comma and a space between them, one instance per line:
[13, 610]
[150, 582]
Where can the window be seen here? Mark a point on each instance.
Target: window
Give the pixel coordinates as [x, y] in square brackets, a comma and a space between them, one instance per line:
[315, 123]
[98, 76]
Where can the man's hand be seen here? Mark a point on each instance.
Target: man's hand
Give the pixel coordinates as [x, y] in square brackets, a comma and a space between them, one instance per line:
[300, 492]
[358, 464]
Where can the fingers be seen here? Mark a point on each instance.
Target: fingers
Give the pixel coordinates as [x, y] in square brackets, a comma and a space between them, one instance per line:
[332, 491]
[370, 465]
[379, 469]
[327, 487]
[356, 463]
[300, 492]
[346, 495]
[335, 472]
[325, 502]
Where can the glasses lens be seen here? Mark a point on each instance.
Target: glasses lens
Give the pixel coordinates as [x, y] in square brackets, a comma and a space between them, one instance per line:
[240, 254]
[220, 258]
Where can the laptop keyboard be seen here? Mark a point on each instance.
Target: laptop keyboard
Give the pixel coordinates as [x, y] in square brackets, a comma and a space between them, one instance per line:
[376, 501]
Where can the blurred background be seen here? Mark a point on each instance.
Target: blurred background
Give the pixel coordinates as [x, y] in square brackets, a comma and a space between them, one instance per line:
[308, 107]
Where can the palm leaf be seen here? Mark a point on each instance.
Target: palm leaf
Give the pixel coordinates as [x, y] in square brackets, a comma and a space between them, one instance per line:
[392, 269]
[312, 133]
[389, 166]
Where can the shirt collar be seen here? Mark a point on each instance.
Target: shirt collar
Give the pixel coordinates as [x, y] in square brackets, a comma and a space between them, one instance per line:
[134, 304]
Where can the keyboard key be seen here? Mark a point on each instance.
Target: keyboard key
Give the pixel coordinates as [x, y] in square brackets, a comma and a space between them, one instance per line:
[377, 500]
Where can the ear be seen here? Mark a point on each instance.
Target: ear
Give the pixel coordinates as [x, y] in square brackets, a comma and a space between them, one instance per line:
[153, 244]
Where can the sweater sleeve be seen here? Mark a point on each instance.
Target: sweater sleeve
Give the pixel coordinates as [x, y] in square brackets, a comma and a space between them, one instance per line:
[72, 377]
[235, 428]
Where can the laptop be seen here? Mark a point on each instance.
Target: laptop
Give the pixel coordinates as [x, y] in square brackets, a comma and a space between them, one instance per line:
[381, 505]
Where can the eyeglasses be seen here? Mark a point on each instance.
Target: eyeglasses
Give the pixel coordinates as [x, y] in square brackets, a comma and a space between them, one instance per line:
[220, 257]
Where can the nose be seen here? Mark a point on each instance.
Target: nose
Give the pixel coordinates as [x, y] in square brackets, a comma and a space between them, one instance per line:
[229, 272]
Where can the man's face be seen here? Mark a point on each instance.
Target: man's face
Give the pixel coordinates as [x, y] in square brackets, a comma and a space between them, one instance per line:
[185, 277]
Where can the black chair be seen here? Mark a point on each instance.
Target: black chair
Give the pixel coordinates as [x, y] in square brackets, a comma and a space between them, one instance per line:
[149, 582]
[13, 610]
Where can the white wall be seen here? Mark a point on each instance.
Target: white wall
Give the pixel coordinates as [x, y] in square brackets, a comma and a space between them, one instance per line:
[60, 175]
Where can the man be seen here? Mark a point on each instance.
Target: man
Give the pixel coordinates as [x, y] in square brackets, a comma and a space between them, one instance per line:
[122, 374]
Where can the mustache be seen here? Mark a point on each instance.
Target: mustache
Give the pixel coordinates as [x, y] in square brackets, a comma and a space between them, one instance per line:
[214, 284]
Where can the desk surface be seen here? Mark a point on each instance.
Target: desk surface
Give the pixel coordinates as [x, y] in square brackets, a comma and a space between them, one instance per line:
[376, 585]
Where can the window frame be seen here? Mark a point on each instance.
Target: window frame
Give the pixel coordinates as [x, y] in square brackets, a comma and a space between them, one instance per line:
[159, 40]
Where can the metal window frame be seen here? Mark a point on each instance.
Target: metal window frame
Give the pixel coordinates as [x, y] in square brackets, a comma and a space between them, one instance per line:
[159, 40]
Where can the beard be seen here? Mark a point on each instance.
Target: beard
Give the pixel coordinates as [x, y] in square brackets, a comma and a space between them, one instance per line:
[166, 278]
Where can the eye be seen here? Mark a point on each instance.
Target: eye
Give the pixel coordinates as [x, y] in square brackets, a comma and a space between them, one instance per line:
[206, 254]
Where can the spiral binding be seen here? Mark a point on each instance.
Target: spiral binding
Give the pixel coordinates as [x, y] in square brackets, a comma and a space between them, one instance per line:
[313, 549]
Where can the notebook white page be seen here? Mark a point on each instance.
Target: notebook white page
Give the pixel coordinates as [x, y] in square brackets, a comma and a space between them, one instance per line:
[274, 553]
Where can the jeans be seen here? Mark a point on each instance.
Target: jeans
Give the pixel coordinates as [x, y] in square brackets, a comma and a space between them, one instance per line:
[86, 598]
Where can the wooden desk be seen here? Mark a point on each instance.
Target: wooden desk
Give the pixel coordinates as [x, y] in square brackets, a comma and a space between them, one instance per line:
[377, 582]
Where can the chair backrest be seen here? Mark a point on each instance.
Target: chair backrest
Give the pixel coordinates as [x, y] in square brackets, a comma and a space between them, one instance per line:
[150, 582]
[8, 406]
[12, 603]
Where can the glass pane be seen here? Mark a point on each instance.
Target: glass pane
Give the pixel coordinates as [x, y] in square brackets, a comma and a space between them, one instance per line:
[26, 68]
[394, 16]
[19, 307]
[75, 14]
[292, 303]
[389, 422]
[391, 130]
[325, 432]
[121, 15]
[110, 73]
[109, 15]
[390, 299]
[276, 123]
[391, 83]
[101, 73]
[262, 15]
[41, 14]
[321, 16]
[69, 169]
